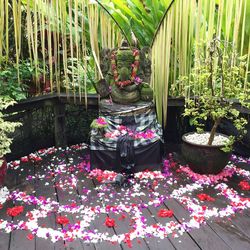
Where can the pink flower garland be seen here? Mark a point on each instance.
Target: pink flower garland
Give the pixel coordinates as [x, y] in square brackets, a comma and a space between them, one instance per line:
[122, 130]
[228, 171]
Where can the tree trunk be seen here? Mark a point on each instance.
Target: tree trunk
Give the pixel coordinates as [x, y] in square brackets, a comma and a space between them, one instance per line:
[213, 131]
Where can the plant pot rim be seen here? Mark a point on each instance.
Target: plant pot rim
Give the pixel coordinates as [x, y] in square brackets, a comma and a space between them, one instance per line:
[201, 145]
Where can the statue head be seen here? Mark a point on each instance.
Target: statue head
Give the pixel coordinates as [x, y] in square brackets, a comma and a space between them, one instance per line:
[124, 58]
[127, 71]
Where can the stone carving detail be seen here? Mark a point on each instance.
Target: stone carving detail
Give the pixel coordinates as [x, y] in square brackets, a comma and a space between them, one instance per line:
[126, 74]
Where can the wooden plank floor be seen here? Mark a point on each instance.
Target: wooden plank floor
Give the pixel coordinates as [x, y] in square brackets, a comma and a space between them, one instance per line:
[225, 233]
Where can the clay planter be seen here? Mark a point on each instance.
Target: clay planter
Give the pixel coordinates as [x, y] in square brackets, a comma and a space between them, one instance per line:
[3, 170]
[204, 159]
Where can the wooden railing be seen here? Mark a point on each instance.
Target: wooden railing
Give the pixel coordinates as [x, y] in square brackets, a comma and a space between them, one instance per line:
[58, 102]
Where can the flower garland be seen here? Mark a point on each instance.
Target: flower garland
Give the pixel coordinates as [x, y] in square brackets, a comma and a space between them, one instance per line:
[227, 172]
[136, 135]
[135, 66]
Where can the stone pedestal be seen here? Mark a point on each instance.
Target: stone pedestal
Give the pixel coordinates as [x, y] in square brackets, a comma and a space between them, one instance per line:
[133, 138]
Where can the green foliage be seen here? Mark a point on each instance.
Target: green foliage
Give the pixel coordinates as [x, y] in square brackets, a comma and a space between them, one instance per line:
[219, 75]
[140, 17]
[76, 73]
[6, 127]
[9, 85]
[229, 145]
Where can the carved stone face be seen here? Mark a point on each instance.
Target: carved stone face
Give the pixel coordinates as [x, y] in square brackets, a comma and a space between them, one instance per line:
[125, 59]
[124, 73]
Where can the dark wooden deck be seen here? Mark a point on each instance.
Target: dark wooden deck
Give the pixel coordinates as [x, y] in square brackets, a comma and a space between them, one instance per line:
[218, 233]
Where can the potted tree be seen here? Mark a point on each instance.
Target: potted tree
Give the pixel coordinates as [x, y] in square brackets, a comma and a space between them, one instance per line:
[219, 75]
[6, 127]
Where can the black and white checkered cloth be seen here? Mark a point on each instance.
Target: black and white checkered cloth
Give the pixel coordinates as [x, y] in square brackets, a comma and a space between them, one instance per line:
[142, 123]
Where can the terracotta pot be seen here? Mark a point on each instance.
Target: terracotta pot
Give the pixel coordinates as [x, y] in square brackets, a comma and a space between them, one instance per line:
[3, 171]
[204, 159]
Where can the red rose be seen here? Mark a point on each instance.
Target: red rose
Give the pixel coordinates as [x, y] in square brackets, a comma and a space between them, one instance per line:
[15, 211]
[15, 164]
[1, 206]
[244, 185]
[109, 222]
[73, 204]
[127, 240]
[99, 178]
[62, 220]
[30, 236]
[205, 197]
[108, 207]
[155, 226]
[172, 164]
[244, 199]
[123, 216]
[30, 215]
[25, 159]
[165, 213]
[199, 219]
[37, 158]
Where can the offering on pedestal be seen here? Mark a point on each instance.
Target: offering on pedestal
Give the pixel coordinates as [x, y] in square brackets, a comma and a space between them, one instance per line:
[126, 137]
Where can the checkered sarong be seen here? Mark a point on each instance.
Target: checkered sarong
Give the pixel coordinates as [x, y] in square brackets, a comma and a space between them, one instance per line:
[143, 122]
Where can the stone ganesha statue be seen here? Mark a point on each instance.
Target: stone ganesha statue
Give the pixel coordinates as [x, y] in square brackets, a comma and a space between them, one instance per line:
[126, 74]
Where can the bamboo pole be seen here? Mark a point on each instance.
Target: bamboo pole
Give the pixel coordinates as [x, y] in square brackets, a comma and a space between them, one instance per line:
[57, 48]
[16, 8]
[36, 63]
[77, 47]
[238, 14]
[84, 51]
[243, 27]
[1, 26]
[42, 30]
[7, 29]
